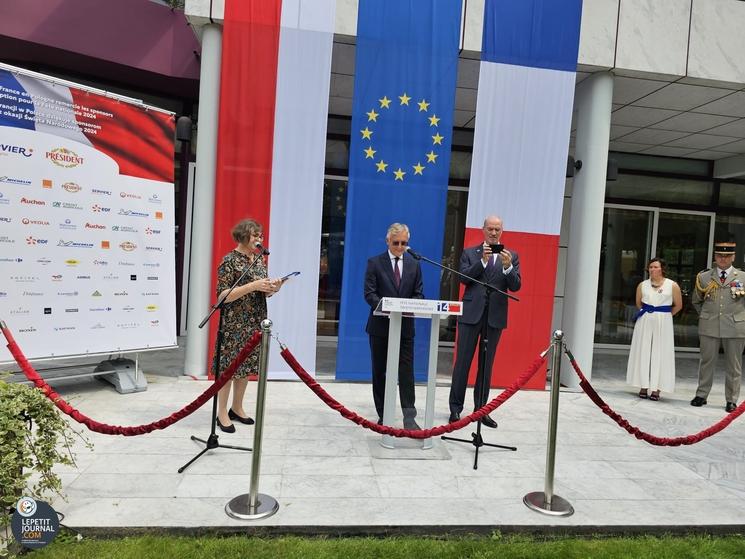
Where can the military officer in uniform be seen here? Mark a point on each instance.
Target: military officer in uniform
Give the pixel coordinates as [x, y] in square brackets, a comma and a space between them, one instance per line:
[719, 299]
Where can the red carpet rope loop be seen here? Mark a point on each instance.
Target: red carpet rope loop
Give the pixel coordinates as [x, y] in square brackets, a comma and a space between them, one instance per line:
[97, 427]
[638, 433]
[413, 434]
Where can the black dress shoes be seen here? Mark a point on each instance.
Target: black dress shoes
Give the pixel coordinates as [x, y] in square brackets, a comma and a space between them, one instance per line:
[698, 401]
[730, 407]
[235, 417]
[487, 421]
[454, 417]
[411, 425]
[225, 428]
[380, 421]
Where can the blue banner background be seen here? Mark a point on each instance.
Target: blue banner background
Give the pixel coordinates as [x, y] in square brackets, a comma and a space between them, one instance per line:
[405, 48]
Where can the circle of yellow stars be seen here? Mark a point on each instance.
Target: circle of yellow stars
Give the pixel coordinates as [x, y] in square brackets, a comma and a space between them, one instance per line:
[367, 134]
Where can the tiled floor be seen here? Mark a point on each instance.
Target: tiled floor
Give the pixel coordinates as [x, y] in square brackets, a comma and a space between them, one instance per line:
[326, 472]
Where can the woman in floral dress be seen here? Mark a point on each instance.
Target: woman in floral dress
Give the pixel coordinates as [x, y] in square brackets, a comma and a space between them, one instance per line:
[242, 314]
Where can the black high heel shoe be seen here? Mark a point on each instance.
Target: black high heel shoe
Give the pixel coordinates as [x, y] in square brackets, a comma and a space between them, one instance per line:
[235, 417]
[225, 428]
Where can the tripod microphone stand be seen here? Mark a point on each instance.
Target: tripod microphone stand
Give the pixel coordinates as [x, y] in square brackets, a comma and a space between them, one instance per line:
[476, 439]
[212, 441]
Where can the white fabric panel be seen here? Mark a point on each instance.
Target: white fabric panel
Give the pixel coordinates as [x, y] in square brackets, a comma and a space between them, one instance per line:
[53, 103]
[521, 141]
[303, 79]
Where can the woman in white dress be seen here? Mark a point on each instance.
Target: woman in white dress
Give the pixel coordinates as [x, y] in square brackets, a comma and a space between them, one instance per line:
[652, 358]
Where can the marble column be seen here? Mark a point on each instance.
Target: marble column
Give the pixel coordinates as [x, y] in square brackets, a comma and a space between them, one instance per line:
[593, 104]
[202, 221]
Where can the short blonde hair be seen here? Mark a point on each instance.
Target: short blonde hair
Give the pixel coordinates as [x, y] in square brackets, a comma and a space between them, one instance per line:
[396, 228]
[243, 230]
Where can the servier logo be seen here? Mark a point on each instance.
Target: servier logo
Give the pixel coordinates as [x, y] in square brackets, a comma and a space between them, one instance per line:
[9, 148]
[63, 157]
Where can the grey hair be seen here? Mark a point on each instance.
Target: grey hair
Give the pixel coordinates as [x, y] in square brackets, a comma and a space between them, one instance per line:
[396, 228]
[243, 230]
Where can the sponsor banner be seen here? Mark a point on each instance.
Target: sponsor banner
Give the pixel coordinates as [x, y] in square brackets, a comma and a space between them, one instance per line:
[86, 219]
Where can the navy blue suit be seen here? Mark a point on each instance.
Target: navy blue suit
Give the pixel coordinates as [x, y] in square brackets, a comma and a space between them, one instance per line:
[470, 324]
[379, 283]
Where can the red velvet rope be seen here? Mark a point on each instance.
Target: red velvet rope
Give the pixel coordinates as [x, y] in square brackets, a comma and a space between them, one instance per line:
[93, 425]
[412, 434]
[638, 433]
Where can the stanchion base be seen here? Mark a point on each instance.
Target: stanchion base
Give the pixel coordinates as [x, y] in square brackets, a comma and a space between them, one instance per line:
[558, 506]
[238, 507]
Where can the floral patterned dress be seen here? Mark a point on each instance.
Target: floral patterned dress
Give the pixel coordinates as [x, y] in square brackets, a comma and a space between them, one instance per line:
[242, 317]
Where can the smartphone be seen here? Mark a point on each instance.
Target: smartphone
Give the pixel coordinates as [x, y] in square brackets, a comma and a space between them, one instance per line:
[288, 276]
[496, 249]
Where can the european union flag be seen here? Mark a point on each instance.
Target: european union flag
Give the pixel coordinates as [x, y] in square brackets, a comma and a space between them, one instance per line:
[399, 158]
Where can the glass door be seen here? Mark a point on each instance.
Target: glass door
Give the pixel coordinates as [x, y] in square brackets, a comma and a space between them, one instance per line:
[684, 242]
[633, 235]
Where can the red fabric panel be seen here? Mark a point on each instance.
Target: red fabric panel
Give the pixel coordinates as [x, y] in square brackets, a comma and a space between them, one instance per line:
[529, 321]
[138, 139]
[250, 51]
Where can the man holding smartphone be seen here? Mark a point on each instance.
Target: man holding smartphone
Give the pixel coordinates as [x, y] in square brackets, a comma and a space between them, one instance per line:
[491, 263]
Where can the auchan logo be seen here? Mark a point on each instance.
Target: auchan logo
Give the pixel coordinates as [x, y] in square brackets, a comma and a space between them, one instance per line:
[63, 157]
[94, 226]
[33, 201]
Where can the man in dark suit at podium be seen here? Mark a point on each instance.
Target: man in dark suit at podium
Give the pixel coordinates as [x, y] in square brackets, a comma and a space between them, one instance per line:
[394, 273]
[501, 270]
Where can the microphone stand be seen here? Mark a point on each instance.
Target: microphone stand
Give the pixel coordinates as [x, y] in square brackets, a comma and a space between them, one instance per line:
[212, 441]
[476, 439]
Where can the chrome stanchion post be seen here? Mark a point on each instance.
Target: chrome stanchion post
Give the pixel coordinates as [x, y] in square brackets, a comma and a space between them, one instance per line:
[255, 505]
[545, 501]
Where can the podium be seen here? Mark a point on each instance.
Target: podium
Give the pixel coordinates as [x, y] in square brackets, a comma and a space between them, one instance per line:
[395, 308]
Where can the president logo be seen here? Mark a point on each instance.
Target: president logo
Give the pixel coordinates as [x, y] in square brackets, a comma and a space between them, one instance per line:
[94, 226]
[15, 181]
[130, 195]
[100, 209]
[128, 246]
[33, 202]
[72, 187]
[63, 157]
[36, 241]
[133, 213]
[73, 244]
[16, 150]
[27, 221]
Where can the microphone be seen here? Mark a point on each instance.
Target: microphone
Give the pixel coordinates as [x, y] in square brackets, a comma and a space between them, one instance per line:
[414, 254]
[261, 248]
